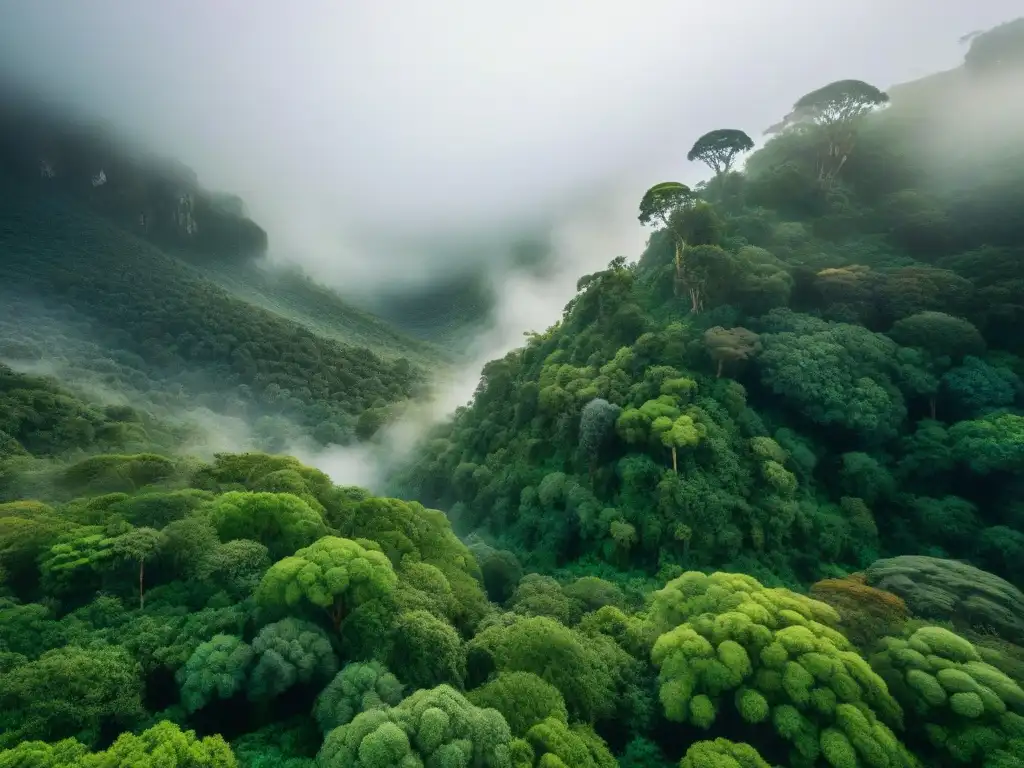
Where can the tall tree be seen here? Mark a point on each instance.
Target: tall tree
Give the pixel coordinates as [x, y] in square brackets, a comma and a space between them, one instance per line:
[718, 149]
[659, 203]
[835, 110]
[690, 222]
[140, 544]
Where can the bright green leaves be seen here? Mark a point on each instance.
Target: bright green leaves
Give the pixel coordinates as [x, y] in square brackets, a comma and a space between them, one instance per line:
[79, 554]
[281, 521]
[556, 744]
[767, 653]
[164, 745]
[333, 574]
[660, 422]
[721, 753]
[435, 726]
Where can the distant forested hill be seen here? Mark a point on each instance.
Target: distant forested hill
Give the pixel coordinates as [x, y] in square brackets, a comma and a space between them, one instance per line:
[77, 286]
[292, 295]
[124, 276]
[155, 198]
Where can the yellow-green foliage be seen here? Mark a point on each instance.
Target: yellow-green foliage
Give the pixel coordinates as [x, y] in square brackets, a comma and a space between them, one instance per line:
[557, 745]
[164, 745]
[721, 753]
[694, 593]
[410, 533]
[771, 655]
[970, 708]
[436, 726]
[333, 573]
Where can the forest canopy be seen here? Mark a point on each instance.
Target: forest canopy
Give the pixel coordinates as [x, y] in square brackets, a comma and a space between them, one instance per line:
[755, 500]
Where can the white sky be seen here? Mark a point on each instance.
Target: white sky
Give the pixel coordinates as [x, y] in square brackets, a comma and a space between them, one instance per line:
[346, 124]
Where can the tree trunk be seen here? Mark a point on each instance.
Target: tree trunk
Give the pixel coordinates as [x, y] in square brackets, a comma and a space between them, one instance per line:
[337, 613]
[675, 466]
[720, 361]
[142, 592]
[931, 407]
[695, 300]
[679, 267]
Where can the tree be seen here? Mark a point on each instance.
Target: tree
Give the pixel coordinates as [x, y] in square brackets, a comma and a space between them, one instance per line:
[775, 658]
[523, 698]
[728, 345]
[720, 753]
[435, 727]
[939, 334]
[425, 651]
[334, 574]
[597, 424]
[359, 687]
[558, 745]
[139, 544]
[71, 691]
[998, 49]
[584, 670]
[835, 110]
[290, 652]
[706, 270]
[659, 203]
[281, 521]
[164, 745]
[218, 668]
[718, 149]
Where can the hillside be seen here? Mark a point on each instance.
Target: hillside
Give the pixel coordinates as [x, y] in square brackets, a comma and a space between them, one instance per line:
[816, 362]
[155, 198]
[79, 288]
[296, 297]
[754, 501]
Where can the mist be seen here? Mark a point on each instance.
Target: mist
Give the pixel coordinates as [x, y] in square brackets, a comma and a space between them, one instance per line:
[386, 147]
[357, 132]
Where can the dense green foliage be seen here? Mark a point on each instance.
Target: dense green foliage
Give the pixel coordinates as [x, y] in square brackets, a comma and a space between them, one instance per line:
[754, 501]
[814, 363]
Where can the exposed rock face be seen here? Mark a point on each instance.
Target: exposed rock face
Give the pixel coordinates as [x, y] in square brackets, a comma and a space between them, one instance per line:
[159, 199]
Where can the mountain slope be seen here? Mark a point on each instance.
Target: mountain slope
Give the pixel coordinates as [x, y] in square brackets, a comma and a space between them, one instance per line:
[849, 383]
[63, 264]
[298, 298]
